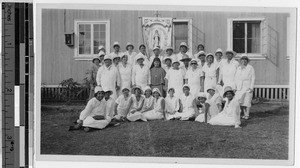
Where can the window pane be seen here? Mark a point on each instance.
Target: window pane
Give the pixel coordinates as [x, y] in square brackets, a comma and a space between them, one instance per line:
[96, 27]
[180, 34]
[238, 30]
[239, 45]
[84, 39]
[253, 37]
[102, 27]
[102, 35]
[253, 45]
[81, 27]
[87, 27]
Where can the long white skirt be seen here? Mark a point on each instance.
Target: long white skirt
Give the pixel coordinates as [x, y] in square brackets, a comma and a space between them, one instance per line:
[225, 120]
[153, 115]
[170, 116]
[92, 123]
[135, 116]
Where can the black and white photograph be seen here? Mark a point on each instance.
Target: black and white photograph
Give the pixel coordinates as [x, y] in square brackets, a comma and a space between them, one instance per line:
[166, 84]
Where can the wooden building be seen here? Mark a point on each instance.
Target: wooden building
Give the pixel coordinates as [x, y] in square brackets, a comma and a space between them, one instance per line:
[262, 36]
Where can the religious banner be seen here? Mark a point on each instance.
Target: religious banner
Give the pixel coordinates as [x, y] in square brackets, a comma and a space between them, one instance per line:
[157, 31]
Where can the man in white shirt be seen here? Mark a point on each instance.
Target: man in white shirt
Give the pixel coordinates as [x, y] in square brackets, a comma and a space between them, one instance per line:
[228, 69]
[140, 73]
[108, 77]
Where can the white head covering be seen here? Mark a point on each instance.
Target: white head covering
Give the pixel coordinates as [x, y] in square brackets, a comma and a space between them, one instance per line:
[169, 48]
[156, 48]
[156, 90]
[101, 53]
[194, 60]
[125, 88]
[174, 60]
[229, 50]
[183, 44]
[139, 56]
[98, 89]
[107, 57]
[116, 43]
[186, 85]
[201, 94]
[200, 53]
[219, 50]
[129, 44]
[147, 88]
[211, 88]
[165, 58]
[101, 47]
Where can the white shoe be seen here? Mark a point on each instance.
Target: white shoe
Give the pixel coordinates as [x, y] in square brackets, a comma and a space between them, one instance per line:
[237, 126]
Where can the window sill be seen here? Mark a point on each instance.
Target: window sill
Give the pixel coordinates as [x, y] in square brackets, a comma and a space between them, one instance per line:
[83, 58]
[252, 56]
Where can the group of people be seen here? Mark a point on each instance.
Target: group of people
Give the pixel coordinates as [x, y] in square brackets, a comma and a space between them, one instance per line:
[130, 86]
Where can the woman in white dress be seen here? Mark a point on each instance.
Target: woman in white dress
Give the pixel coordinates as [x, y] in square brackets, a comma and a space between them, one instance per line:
[149, 100]
[187, 100]
[175, 78]
[172, 105]
[230, 116]
[141, 73]
[122, 105]
[215, 101]
[194, 77]
[130, 53]
[210, 70]
[136, 104]
[202, 107]
[244, 83]
[125, 70]
[157, 112]
[94, 114]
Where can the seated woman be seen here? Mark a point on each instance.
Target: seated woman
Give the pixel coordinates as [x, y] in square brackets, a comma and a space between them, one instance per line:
[136, 104]
[188, 110]
[202, 108]
[94, 115]
[110, 103]
[172, 105]
[149, 100]
[159, 105]
[214, 100]
[230, 116]
[122, 105]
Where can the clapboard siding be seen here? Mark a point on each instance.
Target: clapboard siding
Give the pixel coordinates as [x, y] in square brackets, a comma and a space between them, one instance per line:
[58, 61]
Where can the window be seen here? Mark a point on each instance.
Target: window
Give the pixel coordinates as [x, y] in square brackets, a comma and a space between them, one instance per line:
[246, 36]
[89, 36]
[181, 33]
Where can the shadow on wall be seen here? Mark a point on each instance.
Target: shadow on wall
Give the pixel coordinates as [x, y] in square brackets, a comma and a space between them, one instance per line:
[273, 45]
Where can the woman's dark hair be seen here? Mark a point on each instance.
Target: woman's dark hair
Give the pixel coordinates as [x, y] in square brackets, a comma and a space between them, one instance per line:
[155, 59]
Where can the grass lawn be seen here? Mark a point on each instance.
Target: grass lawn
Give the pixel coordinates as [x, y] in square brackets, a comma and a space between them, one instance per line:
[264, 136]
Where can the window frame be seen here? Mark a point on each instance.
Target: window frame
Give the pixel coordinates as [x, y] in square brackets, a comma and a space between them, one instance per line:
[78, 56]
[230, 36]
[190, 33]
